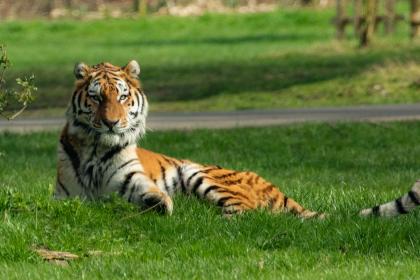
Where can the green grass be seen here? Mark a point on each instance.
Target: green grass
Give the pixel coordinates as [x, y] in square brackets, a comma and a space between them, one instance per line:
[286, 58]
[333, 168]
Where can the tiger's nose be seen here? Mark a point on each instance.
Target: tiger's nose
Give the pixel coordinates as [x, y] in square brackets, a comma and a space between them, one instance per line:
[110, 123]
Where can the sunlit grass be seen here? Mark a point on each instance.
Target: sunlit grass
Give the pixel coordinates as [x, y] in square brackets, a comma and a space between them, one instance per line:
[336, 169]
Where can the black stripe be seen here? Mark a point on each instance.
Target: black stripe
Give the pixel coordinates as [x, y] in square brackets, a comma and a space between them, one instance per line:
[85, 103]
[63, 187]
[127, 182]
[233, 193]
[118, 169]
[79, 99]
[170, 161]
[286, 199]
[138, 101]
[179, 171]
[89, 171]
[131, 194]
[175, 183]
[113, 151]
[221, 202]
[191, 176]
[209, 189]
[72, 154]
[375, 210]
[135, 114]
[163, 171]
[95, 147]
[197, 184]
[142, 103]
[208, 169]
[73, 101]
[400, 207]
[225, 175]
[74, 158]
[142, 195]
[413, 197]
[89, 174]
[85, 127]
[233, 182]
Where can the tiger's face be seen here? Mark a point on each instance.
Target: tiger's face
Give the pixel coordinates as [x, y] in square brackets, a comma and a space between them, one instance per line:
[108, 102]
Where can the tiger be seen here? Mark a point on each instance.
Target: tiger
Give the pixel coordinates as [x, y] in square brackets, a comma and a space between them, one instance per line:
[402, 205]
[98, 154]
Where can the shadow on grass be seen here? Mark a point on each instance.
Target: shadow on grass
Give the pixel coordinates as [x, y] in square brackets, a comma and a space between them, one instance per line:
[261, 74]
[195, 82]
[260, 38]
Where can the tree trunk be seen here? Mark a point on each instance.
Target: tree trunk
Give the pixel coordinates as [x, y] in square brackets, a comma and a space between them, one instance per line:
[415, 18]
[143, 7]
[358, 16]
[371, 8]
[49, 6]
[136, 6]
[68, 4]
[140, 7]
[306, 2]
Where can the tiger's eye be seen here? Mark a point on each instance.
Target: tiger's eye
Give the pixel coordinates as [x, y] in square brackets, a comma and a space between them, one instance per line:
[123, 97]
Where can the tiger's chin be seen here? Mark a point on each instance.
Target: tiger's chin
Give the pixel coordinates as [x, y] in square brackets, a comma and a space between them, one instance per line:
[115, 139]
[125, 136]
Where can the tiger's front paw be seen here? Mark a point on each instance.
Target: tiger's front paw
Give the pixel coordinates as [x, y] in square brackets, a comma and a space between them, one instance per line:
[159, 201]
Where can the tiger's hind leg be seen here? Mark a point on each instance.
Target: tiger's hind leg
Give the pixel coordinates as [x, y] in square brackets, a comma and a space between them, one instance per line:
[269, 196]
[237, 192]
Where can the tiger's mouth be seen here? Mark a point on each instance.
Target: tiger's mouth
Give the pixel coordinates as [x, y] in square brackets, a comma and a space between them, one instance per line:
[112, 131]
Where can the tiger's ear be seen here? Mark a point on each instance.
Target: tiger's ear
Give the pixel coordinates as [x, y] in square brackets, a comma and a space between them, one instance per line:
[132, 69]
[81, 70]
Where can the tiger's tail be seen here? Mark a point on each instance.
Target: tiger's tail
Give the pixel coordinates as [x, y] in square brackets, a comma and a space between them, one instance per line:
[401, 205]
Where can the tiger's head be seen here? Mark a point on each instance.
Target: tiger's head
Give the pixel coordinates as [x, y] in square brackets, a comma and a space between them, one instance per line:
[108, 103]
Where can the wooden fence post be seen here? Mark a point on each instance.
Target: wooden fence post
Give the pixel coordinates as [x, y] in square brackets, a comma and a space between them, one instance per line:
[415, 18]
[340, 19]
[389, 16]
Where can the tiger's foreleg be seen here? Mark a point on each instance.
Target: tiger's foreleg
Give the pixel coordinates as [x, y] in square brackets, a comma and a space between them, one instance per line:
[137, 188]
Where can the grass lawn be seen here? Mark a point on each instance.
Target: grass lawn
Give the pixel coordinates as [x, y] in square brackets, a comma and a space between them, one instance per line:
[286, 58]
[333, 168]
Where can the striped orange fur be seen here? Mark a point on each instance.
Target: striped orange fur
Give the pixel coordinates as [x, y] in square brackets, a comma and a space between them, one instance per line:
[98, 154]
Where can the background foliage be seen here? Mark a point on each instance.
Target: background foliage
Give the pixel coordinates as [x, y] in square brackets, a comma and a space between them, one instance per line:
[21, 97]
